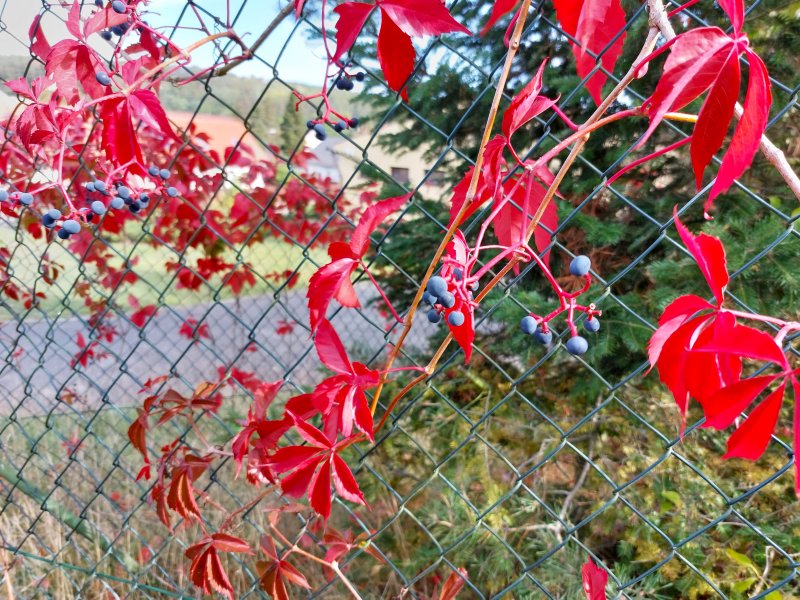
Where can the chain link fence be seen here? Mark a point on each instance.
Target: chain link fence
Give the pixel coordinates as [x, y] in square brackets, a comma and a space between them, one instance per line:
[517, 468]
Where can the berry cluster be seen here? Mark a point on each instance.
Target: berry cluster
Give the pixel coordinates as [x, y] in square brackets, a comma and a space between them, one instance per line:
[97, 192]
[438, 296]
[319, 127]
[119, 7]
[538, 326]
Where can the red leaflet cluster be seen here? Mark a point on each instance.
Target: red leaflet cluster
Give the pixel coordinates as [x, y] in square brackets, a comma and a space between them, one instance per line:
[596, 29]
[595, 580]
[699, 349]
[708, 59]
[400, 21]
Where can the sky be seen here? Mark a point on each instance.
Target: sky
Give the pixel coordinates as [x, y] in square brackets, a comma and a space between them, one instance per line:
[300, 61]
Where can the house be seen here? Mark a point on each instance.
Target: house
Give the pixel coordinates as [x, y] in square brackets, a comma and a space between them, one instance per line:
[339, 156]
[222, 131]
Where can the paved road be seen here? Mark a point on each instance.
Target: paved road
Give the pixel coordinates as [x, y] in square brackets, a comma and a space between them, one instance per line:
[36, 354]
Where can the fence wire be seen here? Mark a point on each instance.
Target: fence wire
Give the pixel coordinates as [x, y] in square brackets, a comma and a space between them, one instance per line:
[516, 469]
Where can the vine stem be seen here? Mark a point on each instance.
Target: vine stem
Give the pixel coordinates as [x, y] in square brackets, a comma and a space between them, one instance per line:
[431, 366]
[774, 155]
[579, 138]
[332, 565]
[513, 46]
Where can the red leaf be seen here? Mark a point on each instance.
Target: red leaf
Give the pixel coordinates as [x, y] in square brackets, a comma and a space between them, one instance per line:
[735, 11]
[751, 438]
[595, 580]
[289, 458]
[526, 105]
[320, 491]
[330, 349]
[396, 55]
[709, 253]
[119, 136]
[352, 16]
[39, 45]
[371, 219]
[105, 18]
[142, 315]
[464, 334]
[693, 65]
[746, 342]
[594, 24]
[796, 427]
[297, 483]
[74, 19]
[511, 223]
[331, 280]
[708, 372]
[72, 65]
[685, 306]
[499, 9]
[729, 402]
[675, 315]
[747, 136]
[421, 17]
[344, 482]
[146, 106]
[715, 114]
[672, 361]
[229, 543]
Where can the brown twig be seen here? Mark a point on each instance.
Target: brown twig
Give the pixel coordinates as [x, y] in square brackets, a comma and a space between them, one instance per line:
[251, 51]
[513, 46]
[773, 154]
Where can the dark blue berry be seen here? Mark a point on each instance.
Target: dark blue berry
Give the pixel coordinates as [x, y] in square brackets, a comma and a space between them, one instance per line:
[71, 226]
[434, 316]
[172, 192]
[348, 85]
[456, 318]
[117, 30]
[106, 35]
[102, 78]
[54, 214]
[98, 3]
[63, 234]
[3, 195]
[98, 207]
[542, 337]
[310, 124]
[135, 207]
[437, 286]
[48, 221]
[577, 345]
[100, 186]
[353, 122]
[319, 131]
[26, 199]
[118, 6]
[361, 76]
[90, 187]
[580, 265]
[447, 300]
[458, 274]
[164, 173]
[592, 324]
[117, 202]
[123, 192]
[341, 83]
[528, 325]
[153, 171]
[429, 298]
[90, 217]
[340, 126]
[144, 199]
